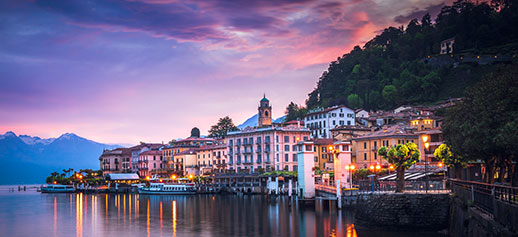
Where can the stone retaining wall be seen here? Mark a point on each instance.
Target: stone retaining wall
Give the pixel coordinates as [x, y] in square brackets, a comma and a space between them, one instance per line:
[403, 211]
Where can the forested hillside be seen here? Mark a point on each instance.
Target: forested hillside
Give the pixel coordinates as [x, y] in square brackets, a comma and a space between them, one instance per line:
[390, 69]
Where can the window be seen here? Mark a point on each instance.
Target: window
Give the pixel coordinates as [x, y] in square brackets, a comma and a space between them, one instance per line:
[295, 168]
[375, 156]
[294, 148]
[334, 122]
[375, 144]
[276, 138]
[286, 139]
[294, 157]
[277, 147]
[316, 158]
[348, 122]
[286, 157]
[364, 156]
[286, 147]
[364, 145]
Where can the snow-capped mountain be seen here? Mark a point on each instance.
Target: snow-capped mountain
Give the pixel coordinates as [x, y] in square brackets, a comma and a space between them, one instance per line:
[253, 121]
[30, 159]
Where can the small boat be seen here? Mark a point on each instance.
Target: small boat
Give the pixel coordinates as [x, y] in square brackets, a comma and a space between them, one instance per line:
[161, 188]
[57, 188]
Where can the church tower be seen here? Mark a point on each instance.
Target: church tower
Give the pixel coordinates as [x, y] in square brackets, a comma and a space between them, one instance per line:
[265, 113]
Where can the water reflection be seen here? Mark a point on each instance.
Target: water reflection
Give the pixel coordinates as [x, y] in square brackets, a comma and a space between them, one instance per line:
[187, 215]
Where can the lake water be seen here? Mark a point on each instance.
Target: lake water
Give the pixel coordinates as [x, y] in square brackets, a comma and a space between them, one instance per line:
[34, 214]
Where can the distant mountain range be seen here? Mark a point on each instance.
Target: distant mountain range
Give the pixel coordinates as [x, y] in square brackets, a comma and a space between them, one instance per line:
[29, 160]
[253, 121]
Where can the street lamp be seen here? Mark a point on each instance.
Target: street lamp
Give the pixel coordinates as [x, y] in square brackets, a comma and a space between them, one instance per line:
[350, 168]
[426, 146]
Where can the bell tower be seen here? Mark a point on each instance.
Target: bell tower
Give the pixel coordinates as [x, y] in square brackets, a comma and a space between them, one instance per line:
[265, 113]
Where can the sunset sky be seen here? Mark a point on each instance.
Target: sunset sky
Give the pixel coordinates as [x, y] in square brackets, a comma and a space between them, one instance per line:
[150, 70]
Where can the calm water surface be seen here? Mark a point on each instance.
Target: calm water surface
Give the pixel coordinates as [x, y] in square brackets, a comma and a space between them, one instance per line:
[33, 214]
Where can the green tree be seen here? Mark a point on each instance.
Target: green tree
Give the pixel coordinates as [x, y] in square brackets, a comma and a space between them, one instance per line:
[221, 129]
[402, 156]
[354, 101]
[444, 153]
[389, 94]
[294, 112]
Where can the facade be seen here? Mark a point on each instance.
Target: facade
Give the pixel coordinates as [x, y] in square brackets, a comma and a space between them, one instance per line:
[361, 113]
[149, 162]
[264, 113]
[136, 150]
[267, 148]
[447, 46]
[323, 157]
[321, 121]
[212, 158]
[115, 161]
[429, 131]
[366, 146]
[185, 163]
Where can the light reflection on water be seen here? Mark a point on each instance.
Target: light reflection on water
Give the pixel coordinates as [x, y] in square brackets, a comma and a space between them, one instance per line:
[147, 215]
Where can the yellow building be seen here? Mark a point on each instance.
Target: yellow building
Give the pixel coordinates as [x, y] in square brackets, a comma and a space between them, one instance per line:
[424, 123]
[367, 146]
[211, 158]
[322, 153]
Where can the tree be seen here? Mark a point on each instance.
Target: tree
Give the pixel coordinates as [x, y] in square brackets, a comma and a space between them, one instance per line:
[294, 112]
[389, 94]
[221, 129]
[444, 153]
[354, 101]
[483, 126]
[195, 132]
[402, 156]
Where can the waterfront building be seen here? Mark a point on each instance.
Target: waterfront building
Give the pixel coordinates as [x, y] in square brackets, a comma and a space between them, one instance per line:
[323, 158]
[115, 161]
[347, 133]
[185, 163]
[366, 146]
[265, 148]
[320, 121]
[170, 166]
[136, 150]
[212, 158]
[149, 162]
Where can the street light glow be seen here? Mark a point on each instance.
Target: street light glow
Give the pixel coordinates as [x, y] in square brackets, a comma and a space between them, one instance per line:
[425, 138]
[347, 167]
[353, 167]
[371, 167]
[378, 167]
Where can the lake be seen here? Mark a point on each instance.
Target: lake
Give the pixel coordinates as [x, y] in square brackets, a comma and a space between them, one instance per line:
[34, 214]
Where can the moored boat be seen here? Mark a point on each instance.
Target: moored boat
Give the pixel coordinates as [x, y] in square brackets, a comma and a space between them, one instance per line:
[161, 188]
[57, 188]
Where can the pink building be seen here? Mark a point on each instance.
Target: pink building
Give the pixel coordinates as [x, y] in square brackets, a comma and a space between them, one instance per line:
[116, 161]
[149, 161]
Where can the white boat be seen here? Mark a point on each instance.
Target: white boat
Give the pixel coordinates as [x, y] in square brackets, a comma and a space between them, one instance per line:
[57, 188]
[161, 188]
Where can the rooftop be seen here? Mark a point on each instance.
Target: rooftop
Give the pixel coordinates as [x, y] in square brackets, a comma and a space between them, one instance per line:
[392, 131]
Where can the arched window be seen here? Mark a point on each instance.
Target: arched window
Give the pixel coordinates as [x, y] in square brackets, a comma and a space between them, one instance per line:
[266, 113]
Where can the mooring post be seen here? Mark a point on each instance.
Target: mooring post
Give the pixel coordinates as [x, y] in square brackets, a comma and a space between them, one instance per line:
[338, 194]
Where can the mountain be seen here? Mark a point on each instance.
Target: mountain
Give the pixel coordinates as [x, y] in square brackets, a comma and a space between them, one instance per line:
[252, 121]
[29, 160]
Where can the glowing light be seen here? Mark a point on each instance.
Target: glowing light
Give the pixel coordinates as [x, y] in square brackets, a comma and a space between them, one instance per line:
[378, 167]
[330, 148]
[347, 167]
[352, 167]
[426, 145]
[148, 178]
[191, 176]
[173, 177]
[391, 167]
[371, 167]
[440, 164]
[425, 138]
[160, 180]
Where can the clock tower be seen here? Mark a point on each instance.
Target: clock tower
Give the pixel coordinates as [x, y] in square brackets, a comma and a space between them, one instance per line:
[265, 113]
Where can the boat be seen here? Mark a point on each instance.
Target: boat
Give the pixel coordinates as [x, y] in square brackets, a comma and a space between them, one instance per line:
[57, 188]
[161, 188]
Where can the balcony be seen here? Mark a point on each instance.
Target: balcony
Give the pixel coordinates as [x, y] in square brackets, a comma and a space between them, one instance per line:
[266, 141]
[247, 151]
[258, 161]
[374, 149]
[248, 163]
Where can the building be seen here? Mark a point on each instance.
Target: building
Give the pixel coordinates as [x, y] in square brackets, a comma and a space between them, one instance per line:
[429, 131]
[264, 148]
[361, 113]
[267, 148]
[366, 146]
[264, 113]
[347, 133]
[323, 157]
[447, 46]
[185, 163]
[150, 162]
[320, 121]
[115, 161]
[212, 158]
[136, 150]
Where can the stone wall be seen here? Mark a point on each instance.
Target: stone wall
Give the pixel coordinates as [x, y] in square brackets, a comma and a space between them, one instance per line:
[403, 211]
[467, 220]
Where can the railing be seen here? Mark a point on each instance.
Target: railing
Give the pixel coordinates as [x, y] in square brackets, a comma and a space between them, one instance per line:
[483, 195]
[434, 186]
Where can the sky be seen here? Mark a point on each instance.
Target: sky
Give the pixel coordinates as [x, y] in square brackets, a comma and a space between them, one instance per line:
[117, 71]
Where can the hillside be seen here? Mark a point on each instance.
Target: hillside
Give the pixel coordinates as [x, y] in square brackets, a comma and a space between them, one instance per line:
[395, 68]
[30, 159]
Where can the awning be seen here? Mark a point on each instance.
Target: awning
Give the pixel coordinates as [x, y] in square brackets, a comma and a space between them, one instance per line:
[129, 176]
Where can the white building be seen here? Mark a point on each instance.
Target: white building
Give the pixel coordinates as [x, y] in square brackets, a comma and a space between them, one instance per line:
[447, 46]
[322, 120]
[361, 113]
